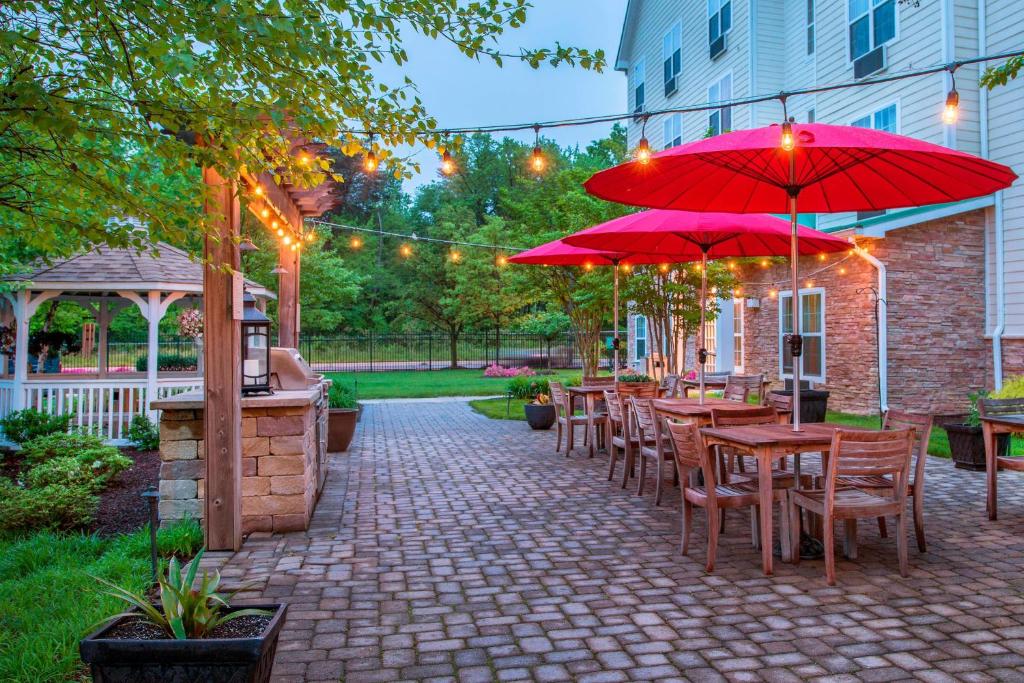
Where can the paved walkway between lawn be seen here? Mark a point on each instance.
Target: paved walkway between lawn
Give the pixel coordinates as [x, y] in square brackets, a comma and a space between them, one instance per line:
[451, 547]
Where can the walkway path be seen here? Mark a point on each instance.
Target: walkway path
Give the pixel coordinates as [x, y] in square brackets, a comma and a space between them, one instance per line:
[451, 547]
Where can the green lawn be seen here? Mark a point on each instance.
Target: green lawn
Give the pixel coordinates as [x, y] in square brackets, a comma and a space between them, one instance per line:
[494, 408]
[49, 598]
[431, 383]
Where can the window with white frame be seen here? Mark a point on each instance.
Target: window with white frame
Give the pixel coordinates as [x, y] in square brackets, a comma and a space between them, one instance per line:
[710, 343]
[812, 329]
[673, 130]
[810, 27]
[737, 334]
[719, 19]
[720, 120]
[872, 23]
[672, 57]
[639, 337]
[638, 87]
[886, 119]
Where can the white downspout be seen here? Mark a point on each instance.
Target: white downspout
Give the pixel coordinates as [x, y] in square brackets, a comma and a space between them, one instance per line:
[883, 328]
[997, 237]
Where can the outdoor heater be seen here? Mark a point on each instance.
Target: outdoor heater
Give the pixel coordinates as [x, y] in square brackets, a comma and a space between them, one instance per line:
[255, 348]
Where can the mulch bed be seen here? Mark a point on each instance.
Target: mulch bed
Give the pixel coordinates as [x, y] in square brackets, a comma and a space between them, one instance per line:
[122, 509]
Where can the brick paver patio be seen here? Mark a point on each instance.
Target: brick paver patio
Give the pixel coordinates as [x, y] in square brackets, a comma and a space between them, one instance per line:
[450, 547]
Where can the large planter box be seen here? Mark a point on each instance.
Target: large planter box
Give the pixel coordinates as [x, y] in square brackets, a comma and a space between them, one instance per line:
[813, 403]
[967, 446]
[211, 660]
[341, 425]
[539, 416]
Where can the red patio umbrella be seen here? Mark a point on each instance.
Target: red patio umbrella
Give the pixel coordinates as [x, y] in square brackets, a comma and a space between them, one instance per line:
[692, 236]
[823, 167]
[559, 253]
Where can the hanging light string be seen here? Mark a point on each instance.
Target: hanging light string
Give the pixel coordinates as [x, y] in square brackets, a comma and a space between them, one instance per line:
[413, 236]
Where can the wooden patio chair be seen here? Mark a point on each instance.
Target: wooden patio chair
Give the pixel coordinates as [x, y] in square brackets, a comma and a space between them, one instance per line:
[670, 386]
[736, 391]
[754, 383]
[565, 416]
[616, 431]
[859, 453]
[782, 403]
[691, 455]
[652, 444]
[1001, 406]
[880, 485]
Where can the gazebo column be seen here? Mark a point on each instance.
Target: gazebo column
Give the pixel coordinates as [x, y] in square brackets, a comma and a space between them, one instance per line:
[103, 323]
[153, 308]
[25, 306]
[222, 339]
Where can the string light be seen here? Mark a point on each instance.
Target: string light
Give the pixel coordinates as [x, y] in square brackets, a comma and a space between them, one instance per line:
[787, 142]
[274, 225]
[447, 163]
[280, 232]
[714, 290]
[772, 293]
[454, 256]
[370, 162]
[821, 256]
[643, 150]
[355, 242]
[295, 247]
[842, 271]
[287, 239]
[405, 251]
[809, 284]
[305, 159]
[951, 112]
[537, 160]
[737, 291]
[311, 236]
[258, 190]
[502, 260]
[764, 263]
[663, 267]
[588, 266]
[265, 213]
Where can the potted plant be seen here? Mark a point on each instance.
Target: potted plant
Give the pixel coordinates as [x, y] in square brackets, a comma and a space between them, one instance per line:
[191, 634]
[966, 440]
[540, 413]
[628, 380]
[342, 413]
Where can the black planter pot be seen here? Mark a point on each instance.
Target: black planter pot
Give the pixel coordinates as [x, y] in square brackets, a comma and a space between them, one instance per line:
[539, 416]
[212, 660]
[813, 403]
[967, 446]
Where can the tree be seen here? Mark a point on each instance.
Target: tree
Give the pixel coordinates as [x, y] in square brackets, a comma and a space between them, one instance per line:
[1002, 74]
[108, 106]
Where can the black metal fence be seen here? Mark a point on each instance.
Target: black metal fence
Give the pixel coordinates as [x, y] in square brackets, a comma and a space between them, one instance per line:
[377, 352]
[129, 355]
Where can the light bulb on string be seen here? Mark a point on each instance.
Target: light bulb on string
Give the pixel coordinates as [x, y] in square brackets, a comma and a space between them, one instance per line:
[355, 242]
[370, 162]
[663, 267]
[537, 160]
[265, 213]
[809, 284]
[842, 271]
[295, 247]
[311, 236]
[447, 163]
[643, 151]
[502, 260]
[454, 256]
[258, 190]
[274, 224]
[951, 112]
[787, 141]
[405, 251]
[737, 291]
[588, 266]
[287, 239]
[764, 263]
[821, 256]
[772, 293]
[280, 232]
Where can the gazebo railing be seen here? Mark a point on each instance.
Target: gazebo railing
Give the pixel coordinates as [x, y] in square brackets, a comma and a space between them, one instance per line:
[104, 407]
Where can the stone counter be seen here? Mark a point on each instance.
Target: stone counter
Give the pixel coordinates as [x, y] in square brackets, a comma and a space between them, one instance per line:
[283, 466]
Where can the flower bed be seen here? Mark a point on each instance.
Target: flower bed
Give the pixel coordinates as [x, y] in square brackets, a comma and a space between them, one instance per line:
[495, 370]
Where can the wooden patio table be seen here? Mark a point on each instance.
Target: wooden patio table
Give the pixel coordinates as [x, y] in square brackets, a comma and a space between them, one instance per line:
[992, 427]
[768, 443]
[691, 410]
[591, 394]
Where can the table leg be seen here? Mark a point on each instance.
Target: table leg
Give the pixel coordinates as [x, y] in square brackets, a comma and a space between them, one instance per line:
[991, 448]
[764, 485]
[590, 422]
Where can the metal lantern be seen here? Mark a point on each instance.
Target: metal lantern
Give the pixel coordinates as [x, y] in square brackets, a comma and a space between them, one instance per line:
[255, 348]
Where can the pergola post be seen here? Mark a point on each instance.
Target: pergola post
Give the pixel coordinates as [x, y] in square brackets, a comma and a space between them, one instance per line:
[288, 297]
[222, 372]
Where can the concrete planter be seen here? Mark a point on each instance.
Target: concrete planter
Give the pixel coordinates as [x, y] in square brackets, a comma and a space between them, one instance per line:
[539, 416]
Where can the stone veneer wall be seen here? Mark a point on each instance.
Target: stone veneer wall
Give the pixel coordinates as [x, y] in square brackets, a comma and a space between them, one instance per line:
[279, 469]
[937, 350]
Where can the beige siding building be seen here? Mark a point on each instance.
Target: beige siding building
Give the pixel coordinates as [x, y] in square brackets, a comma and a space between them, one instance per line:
[678, 52]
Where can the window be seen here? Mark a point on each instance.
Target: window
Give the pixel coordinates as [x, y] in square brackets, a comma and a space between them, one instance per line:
[639, 337]
[673, 130]
[812, 327]
[737, 334]
[883, 119]
[638, 87]
[810, 27]
[872, 23]
[720, 120]
[672, 57]
[710, 343]
[719, 19]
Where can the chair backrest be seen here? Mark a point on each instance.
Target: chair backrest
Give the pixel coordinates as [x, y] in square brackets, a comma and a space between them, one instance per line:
[670, 385]
[1001, 406]
[646, 417]
[867, 453]
[598, 380]
[922, 426]
[783, 403]
[559, 397]
[611, 399]
[690, 453]
[736, 392]
[640, 389]
[754, 384]
[763, 415]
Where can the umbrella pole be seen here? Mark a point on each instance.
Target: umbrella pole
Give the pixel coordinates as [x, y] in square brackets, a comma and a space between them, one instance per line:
[702, 354]
[615, 324]
[796, 347]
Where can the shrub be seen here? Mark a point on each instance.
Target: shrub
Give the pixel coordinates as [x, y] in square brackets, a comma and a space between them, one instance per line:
[495, 370]
[170, 362]
[92, 468]
[43, 448]
[143, 434]
[105, 463]
[25, 425]
[1012, 388]
[340, 396]
[524, 387]
[636, 377]
[54, 507]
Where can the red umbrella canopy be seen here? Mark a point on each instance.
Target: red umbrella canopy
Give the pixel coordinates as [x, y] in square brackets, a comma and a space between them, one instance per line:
[835, 168]
[559, 253]
[683, 235]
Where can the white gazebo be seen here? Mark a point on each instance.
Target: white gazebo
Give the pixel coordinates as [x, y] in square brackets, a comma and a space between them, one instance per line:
[103, 281]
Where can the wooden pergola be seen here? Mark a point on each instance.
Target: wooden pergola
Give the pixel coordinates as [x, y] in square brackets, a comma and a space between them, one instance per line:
[222, 296]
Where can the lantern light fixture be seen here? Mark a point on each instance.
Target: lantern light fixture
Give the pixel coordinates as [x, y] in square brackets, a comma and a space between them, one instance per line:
[255, 348]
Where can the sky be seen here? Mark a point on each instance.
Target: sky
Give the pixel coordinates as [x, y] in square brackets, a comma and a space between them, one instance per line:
[460, 92]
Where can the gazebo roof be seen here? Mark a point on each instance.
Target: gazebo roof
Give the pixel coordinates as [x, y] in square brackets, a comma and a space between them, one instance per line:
[166, 268]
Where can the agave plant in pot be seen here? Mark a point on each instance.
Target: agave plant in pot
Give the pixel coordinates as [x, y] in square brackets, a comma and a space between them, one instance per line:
[342, 415]
[192, 633]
